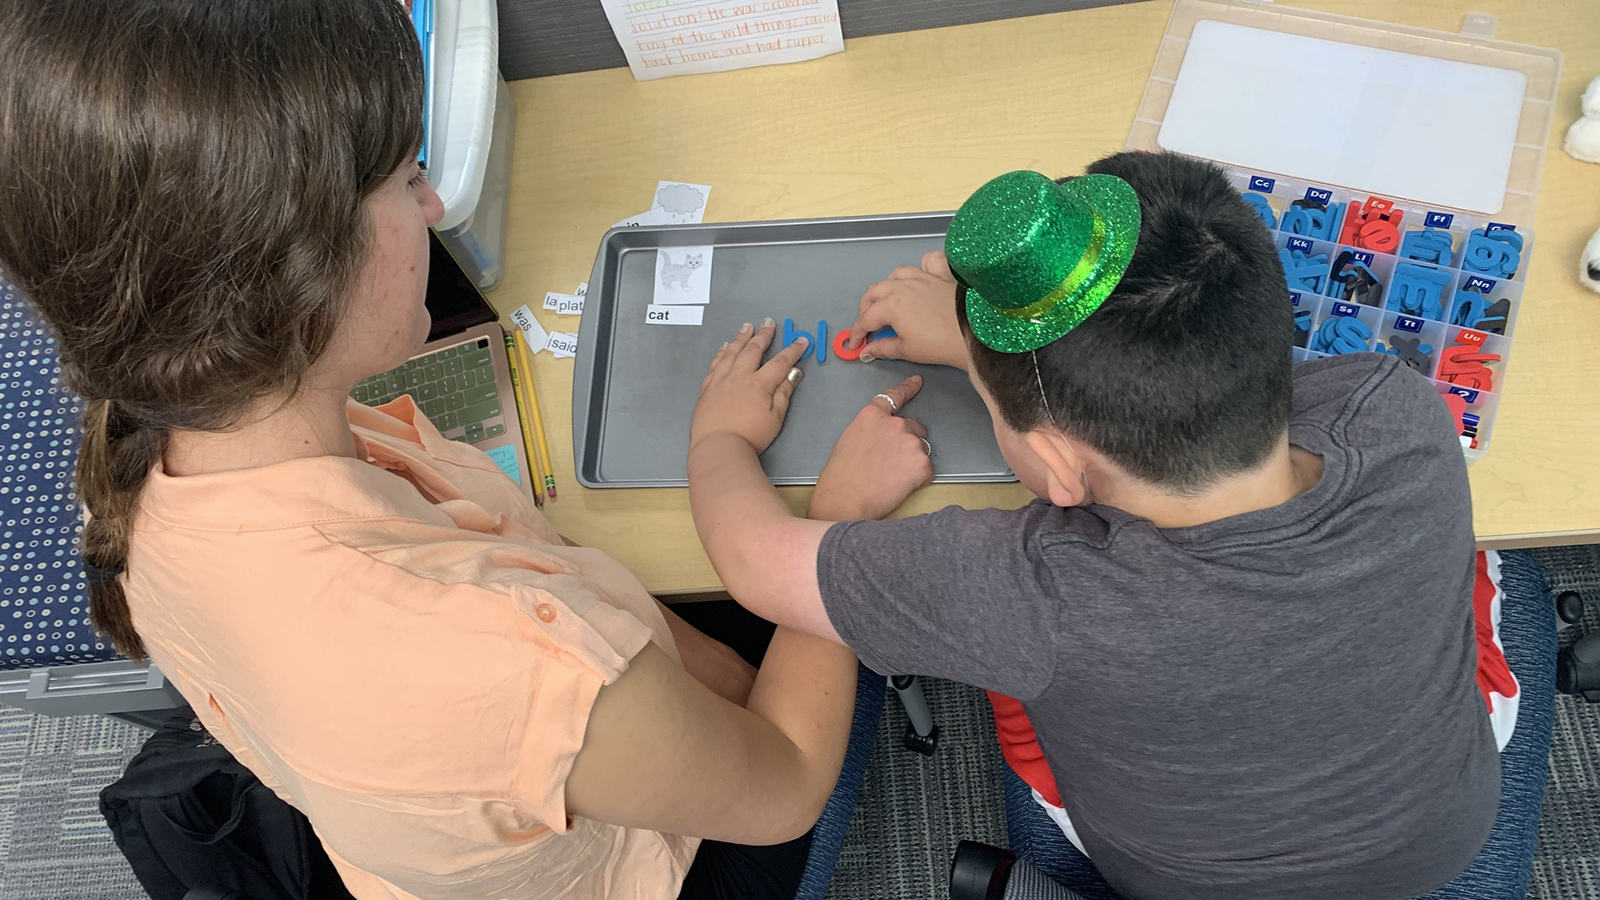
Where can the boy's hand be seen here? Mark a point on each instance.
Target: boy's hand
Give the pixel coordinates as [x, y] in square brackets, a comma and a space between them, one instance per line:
[742, 397]
[920, 305]
[879, 460]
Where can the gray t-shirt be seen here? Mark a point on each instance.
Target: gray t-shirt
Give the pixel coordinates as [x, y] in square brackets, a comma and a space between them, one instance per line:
[1278, 704]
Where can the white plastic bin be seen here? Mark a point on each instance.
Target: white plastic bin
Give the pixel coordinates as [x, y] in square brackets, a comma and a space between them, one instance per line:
[469, 156]
[1479, 308]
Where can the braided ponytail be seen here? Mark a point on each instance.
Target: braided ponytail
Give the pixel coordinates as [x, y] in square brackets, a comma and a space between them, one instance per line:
[114, 460]
[186, 207]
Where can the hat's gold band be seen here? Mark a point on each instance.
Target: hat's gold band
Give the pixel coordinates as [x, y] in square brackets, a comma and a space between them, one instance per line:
[1075, 279]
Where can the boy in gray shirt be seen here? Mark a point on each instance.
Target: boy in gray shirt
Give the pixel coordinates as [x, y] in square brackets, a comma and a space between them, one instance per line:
[1238, 617]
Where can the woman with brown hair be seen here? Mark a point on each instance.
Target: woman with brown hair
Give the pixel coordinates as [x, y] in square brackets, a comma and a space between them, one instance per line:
[216, 206]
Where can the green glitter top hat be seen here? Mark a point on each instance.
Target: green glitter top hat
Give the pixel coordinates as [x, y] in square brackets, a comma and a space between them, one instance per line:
[1038, 257]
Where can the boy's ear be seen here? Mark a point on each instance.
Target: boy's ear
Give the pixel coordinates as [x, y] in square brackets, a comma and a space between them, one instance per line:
[1063, 464]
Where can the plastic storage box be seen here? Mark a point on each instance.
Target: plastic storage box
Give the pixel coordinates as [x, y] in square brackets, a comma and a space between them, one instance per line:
[1438, 285]
[472, 123]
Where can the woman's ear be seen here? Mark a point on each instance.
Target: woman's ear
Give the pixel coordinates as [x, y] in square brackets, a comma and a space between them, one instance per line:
[1063, 465]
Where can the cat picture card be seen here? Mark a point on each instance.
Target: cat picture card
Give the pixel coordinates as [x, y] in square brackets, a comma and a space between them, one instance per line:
[683, 276]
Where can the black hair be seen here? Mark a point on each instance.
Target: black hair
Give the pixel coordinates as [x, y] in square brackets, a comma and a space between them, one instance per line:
[1182, 377]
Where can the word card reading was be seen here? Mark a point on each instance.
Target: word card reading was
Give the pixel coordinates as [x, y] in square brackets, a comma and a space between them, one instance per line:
[524, 319]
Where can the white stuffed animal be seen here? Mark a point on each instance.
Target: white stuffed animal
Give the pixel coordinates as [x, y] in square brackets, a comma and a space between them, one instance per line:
[1583, 142]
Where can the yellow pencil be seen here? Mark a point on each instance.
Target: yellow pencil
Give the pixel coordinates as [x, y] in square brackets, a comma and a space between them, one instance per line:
[512, 354]
[538, 420]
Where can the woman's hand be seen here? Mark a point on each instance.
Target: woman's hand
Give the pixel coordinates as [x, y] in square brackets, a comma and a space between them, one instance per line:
[742, 397]
[879, 460]
[920, 305]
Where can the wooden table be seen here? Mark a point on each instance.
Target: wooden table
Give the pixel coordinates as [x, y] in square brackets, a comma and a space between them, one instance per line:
[915, 121]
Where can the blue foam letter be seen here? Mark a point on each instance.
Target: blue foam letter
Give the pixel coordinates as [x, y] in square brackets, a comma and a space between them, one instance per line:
[791, 334]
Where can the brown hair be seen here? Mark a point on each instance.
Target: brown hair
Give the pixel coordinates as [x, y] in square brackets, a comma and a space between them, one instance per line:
[182, 197]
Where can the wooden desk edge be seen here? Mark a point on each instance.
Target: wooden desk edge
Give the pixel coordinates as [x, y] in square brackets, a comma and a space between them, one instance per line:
[1539, 539]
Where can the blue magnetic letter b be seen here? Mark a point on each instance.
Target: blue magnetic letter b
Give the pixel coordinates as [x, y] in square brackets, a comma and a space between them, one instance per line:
[792, 334]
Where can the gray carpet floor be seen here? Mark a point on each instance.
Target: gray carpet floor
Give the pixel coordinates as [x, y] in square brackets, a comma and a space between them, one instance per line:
[1568, 864]
[53, 843]
[913, 810]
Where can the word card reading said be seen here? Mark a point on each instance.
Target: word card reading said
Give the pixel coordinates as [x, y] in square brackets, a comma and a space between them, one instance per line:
[662, 38]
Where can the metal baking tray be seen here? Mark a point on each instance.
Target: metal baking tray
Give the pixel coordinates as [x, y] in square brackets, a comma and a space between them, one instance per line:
[635, 385]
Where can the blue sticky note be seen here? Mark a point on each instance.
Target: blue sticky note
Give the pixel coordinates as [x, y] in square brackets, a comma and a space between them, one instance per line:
[506, 458]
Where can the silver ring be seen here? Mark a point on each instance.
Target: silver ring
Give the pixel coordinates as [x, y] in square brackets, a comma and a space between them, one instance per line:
[927, 446]
[893, 406]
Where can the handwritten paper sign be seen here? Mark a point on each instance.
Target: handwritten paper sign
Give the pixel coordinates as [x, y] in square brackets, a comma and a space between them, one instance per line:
[662, 38]
[506, 458]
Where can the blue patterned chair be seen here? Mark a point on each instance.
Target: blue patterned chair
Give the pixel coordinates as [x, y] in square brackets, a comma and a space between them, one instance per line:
[51, 661]
[827, 841]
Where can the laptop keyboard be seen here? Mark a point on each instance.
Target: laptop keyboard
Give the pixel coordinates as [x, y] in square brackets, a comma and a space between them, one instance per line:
[454, 387]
